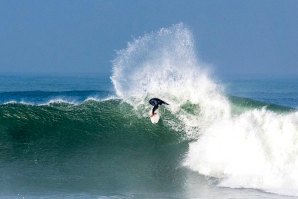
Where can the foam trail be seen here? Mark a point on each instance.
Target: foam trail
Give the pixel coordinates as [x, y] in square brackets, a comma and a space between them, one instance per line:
[257, 148]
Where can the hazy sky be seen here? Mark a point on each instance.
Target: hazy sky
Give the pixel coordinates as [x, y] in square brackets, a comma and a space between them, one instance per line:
[69, 36]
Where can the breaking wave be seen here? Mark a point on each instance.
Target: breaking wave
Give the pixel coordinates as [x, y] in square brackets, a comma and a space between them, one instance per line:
[242, 146]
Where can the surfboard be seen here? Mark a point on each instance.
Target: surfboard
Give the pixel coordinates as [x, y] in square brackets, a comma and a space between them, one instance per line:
[155, 118]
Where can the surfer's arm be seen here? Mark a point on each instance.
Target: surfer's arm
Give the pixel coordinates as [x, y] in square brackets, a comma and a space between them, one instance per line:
[163, 102]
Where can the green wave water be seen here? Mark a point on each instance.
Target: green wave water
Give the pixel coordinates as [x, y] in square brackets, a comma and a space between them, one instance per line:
[60, 124]
[95, 147]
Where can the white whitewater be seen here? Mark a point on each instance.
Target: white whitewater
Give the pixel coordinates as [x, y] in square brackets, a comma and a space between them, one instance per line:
[255, 149]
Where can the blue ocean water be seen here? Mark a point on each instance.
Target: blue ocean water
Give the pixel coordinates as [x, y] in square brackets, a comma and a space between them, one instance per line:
[41, 89]
[276, 90]
[10, 83]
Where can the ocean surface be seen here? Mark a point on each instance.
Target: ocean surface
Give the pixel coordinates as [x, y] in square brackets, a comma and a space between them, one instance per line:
[91, 137]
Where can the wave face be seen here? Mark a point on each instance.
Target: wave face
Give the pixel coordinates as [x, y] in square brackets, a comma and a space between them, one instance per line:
[242, 143]
[98, 147]
[65, 122]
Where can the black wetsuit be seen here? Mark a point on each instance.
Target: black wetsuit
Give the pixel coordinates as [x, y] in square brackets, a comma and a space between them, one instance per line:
[155, 102]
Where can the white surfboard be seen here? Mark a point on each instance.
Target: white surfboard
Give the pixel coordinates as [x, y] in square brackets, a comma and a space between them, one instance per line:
[155, 118]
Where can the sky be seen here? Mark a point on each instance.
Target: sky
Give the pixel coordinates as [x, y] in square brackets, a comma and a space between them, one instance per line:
[82, 37]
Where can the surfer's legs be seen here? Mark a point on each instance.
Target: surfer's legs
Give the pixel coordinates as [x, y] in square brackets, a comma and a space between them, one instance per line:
[154, 109]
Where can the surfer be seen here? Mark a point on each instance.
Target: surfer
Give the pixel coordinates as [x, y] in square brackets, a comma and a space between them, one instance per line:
[155, 102]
